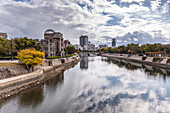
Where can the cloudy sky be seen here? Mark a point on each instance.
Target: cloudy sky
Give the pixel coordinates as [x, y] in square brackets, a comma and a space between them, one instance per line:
[137, 21]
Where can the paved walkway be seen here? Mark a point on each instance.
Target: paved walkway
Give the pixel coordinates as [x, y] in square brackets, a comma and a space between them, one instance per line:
[8, 61]
[19, 77]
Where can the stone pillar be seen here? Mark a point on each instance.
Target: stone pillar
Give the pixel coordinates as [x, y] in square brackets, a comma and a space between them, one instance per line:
[49, 48]
[60, 46]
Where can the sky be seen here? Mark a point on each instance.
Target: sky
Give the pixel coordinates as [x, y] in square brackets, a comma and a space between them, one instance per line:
[129, 21]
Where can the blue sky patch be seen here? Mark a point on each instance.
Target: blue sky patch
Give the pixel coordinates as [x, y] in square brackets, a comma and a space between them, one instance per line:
[114, 21]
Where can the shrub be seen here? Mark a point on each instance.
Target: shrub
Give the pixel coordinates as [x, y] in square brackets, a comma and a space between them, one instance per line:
[56, 57]
[144, 58]
[62, 61]
[168, 61]
[8, 58]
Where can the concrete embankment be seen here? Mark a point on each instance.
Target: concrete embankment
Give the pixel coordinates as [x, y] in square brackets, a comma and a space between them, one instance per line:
[138, 59]
[14, 85]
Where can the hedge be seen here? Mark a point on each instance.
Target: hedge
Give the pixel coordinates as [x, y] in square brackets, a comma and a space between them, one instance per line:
[56, 57]
[62, 61]
[7, 58]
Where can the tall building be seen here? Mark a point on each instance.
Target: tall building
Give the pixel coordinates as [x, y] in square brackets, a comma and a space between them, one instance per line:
[113, 42]
[53, 44]
[66, 43]
[84, 42]
[3, 35]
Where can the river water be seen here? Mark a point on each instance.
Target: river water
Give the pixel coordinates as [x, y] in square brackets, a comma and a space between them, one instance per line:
[98, 84]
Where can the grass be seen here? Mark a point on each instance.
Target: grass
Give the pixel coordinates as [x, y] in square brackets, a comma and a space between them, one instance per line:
[10, 64]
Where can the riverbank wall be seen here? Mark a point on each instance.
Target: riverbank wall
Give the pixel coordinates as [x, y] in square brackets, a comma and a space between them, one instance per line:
[138, 59]
[14, 85]
[7, 72]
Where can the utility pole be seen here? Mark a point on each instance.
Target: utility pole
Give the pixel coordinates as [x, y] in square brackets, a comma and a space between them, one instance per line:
[11, 50]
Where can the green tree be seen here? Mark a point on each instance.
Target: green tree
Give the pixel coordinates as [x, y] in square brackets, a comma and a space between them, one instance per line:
[4, 46]
[25, 43]
[70, 49]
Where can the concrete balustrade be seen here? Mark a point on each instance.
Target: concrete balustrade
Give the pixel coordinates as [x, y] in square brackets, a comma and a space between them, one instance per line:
[164, 61]
[149, 59]
[138, 59]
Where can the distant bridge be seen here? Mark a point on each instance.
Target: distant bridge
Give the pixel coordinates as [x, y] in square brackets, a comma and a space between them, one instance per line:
[86, 54]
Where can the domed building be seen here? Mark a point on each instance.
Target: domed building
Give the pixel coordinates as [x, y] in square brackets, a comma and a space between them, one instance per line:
[52, 44]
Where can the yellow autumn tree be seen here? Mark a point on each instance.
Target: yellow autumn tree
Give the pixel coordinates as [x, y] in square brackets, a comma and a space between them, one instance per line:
[78, 52]
[30, 57]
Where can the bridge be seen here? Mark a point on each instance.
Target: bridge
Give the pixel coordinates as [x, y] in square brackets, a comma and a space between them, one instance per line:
[86, 54]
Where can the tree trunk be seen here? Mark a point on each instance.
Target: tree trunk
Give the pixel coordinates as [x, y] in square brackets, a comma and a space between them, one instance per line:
[29, 69]
[32, 69]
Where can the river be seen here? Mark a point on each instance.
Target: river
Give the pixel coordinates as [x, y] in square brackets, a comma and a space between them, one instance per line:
[98, 84]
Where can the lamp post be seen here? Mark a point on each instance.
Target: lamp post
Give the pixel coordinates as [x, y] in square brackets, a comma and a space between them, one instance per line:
[165, 51]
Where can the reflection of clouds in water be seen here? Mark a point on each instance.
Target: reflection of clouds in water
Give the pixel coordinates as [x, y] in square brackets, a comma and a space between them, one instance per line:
[127, 91]
[145, 102]
[103, 88]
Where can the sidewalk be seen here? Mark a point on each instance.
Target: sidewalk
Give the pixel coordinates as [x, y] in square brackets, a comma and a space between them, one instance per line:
[8, 61]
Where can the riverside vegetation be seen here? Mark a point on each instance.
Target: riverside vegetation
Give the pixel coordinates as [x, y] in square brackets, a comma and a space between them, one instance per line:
[136, 48]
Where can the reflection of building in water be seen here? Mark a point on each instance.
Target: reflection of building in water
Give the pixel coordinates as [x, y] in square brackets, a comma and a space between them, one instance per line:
[54, 81]
[84, 63]
[32, 97]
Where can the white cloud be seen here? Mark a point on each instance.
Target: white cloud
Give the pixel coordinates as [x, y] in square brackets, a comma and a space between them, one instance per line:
[135, 39]
[33, 18]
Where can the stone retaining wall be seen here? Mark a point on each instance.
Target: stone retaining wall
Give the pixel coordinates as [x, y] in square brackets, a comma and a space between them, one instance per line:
[14, 85]
[6, 72]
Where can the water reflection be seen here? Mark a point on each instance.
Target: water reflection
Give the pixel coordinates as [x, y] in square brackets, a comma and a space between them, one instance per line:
[106, 86]
[149, 70]
[56, 80]
[84, 63]
[32, 98]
